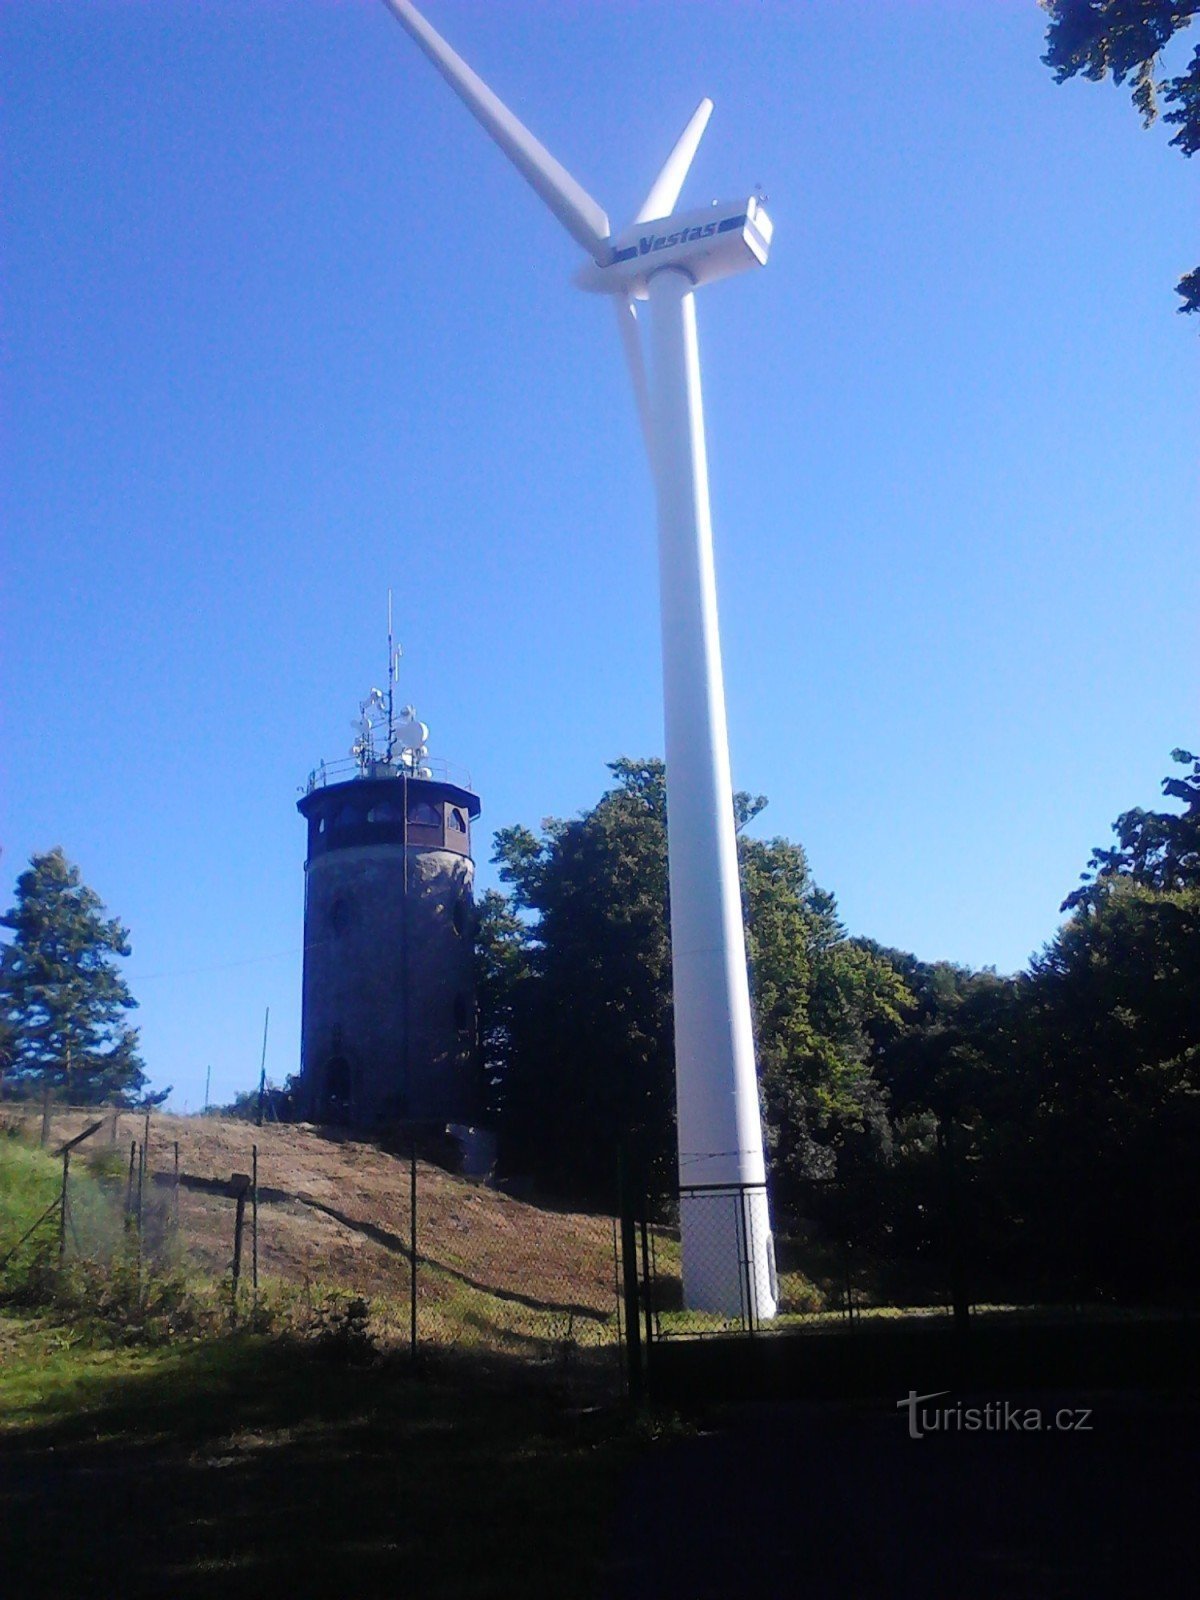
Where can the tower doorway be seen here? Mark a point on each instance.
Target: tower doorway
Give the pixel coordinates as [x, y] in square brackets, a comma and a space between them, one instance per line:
[337, 1092]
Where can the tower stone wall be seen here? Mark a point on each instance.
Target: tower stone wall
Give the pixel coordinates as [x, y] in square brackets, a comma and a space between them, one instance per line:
[388, 1030]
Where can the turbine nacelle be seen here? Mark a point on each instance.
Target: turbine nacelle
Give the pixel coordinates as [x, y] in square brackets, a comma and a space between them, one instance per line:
[707, 244]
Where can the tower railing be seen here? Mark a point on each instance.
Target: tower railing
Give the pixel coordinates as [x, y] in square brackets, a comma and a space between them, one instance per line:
[429, 769]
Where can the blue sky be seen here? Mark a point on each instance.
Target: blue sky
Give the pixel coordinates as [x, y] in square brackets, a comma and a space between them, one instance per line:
[282, 329]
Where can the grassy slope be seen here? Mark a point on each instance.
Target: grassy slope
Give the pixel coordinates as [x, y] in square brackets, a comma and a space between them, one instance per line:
[29, 1183]
[335, 1213]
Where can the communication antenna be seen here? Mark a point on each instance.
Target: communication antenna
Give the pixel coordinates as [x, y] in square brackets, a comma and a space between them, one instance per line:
[370, 713]
[376, 733]
[413, 738]
[394, 654]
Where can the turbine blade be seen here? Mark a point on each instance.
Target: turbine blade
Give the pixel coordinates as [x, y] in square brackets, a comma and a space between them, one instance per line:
[636, 361]
[582, 217]
[660, 202]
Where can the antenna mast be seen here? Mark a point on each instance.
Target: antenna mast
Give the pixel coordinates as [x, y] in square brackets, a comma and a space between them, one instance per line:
[393, 674]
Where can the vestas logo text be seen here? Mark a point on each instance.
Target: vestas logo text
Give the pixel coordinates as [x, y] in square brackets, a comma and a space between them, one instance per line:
[664, 241]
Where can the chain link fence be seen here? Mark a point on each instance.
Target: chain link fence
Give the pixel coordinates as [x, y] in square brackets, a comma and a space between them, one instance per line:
[913, 1242]
[304, 1229]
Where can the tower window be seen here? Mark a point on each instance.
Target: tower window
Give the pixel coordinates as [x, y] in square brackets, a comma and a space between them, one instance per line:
[386, 812]
[457, 820]
[341, 913]
[423, 815]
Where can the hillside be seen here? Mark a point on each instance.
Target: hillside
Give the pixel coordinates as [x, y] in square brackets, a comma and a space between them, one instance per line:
[335, 1213]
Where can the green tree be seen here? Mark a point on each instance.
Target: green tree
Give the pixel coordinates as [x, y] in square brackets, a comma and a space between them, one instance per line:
[819, 998]
[501, 966]
[1111, 1028]
[1125, 39]
[586, 1020]
[1157, 849]
[1067, 1100]
[61, 991]
[1112, 1012]
[7, 1042]
[948, 1070]
[941, 1061]
[590, 1030]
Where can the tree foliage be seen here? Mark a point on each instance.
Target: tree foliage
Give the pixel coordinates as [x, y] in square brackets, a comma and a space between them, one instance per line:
[1035, 1130]
[1071, 1093]
[576, 1001]
[61, 992]
[1157, 849]
[588, 1058]
[501, 964]
[1125, 39]
[819, 998]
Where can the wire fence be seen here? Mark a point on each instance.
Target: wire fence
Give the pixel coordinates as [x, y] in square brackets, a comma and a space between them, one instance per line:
[162, 1227]
[913, 1243]
[297, 1228]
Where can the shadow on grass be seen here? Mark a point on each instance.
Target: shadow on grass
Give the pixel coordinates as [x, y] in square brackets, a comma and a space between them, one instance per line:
[247, 1467]
[883, 1358]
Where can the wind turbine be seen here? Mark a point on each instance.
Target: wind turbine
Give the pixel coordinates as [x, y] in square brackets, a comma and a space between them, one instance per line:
[658, 262]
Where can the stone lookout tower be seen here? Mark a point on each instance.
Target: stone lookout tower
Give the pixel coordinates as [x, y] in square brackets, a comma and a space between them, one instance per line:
[388, 1028]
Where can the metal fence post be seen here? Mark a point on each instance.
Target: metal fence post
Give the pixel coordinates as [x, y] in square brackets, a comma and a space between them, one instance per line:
[412, 1240]
[647, 1297]
[141, 1190]
[254, 1223]
[141, 1195]
[654, 1296]
[129, 1184]
[847, 1276]
[239, 1183]
[617, 1295]
[633, 1330]
[953, 1230]
[62, 1212]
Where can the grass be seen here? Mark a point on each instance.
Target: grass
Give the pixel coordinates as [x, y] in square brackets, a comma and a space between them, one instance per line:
[30, 1181]
[50, 1372]
[144, 1449]
[30, 1184]
[255, 1462]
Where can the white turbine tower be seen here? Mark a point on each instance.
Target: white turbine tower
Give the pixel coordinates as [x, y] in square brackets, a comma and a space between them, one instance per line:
[659, 261]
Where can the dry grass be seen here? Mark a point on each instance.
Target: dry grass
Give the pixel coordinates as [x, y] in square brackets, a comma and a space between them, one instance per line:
[334, 1214]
